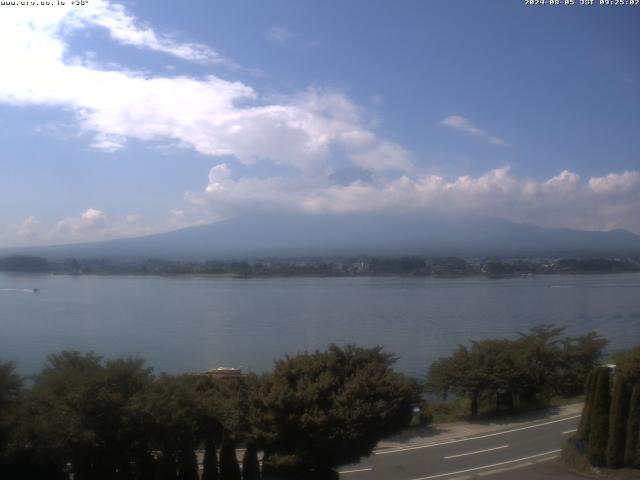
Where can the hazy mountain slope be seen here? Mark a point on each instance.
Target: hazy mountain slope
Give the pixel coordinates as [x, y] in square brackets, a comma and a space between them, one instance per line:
[375, 234]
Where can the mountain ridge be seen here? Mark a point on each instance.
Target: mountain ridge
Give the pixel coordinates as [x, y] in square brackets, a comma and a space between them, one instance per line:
[279, 235]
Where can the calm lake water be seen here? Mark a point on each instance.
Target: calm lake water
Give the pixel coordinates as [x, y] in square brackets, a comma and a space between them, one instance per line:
[192, 324]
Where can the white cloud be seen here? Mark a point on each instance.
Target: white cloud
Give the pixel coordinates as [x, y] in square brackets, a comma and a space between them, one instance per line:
[460, 123]
[122, 27]
[28, 228]
[616, 183]
[89, 220]
[217, 117]
[285, 37]
[279, 35]
[561, 201]
[211, 115]
[94, 225]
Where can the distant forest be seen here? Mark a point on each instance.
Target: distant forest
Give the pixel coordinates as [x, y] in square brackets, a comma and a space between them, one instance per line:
[328, 267]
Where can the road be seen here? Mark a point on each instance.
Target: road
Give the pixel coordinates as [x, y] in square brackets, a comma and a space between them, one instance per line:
[484, 455]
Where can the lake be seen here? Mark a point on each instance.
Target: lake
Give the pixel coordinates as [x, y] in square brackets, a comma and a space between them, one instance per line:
[191, 324]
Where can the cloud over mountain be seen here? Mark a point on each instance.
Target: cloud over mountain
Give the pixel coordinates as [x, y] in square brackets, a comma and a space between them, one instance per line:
[311, 150]
[212, 115]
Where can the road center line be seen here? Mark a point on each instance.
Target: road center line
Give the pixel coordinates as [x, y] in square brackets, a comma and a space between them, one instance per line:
[488, 466]
[567, 432]
[467, 439]
[477, 451]
[356, 471]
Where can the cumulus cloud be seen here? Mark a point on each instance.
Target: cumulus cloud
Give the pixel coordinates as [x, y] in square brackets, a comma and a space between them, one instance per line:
[616, 183]
[90, 219]
[460, 123]
[564, 200]
[29, 227]
[93, 225]
[212, 115]
[314, 131]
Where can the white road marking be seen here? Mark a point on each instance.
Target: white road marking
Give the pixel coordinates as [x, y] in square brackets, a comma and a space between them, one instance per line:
[567, 432]
[406, 449]
[356, 471]
[439, 475]
[477, 451]
[505, 469]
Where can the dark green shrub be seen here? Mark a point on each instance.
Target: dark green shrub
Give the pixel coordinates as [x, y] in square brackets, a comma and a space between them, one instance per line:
[599, 429]
[632, 446]
[618, 423]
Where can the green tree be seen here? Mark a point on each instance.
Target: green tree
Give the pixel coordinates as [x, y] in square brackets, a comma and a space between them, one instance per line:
[578, 356]
[327, 408]
[585, 419]
[170, 412]
[538, 357]
[210, 461]
[618, 418]
[459, 375]
[187, 464]
[632, 446]
[229, 468]
[10, 387]
[250, 464]
[599, 430]
[24, 263]
[529, 369]
[79, 413]
[628, 364]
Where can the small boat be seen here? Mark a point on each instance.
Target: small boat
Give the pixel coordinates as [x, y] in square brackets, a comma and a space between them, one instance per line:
[35, 290]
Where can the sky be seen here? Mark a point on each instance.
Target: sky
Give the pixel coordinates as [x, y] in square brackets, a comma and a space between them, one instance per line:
[127, 118]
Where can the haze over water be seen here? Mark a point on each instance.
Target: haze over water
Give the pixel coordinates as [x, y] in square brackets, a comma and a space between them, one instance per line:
[192, 324]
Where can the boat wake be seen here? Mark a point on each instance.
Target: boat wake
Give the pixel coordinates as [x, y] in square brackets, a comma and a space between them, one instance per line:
[18, 290]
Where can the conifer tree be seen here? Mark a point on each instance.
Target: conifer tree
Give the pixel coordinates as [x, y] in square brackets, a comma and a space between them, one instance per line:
[229, 468]
[618, 418]
[167, 467]
[632, 446]
[210, 462]
[187, 465]
[599, 429]
[250, 464]
[585, 421]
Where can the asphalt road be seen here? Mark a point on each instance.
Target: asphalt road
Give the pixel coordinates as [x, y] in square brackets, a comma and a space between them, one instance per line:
[490, 454]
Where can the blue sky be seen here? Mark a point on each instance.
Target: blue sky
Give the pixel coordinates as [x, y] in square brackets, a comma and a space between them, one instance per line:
[127, 118]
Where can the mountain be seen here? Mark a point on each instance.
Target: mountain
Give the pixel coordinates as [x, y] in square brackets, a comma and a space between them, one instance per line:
[350, 234]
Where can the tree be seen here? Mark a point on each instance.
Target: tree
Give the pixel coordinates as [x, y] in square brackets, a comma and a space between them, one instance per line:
[229, 468]
[585, 419]
[632, 446]
[599, 430]
[10, 387]
[578, 357]
[80, 413]
[250, 464]
[170, 412]
[24, 263]
[538, 358]
[187, 464]
[618, 418]
[327, 408]
[628, 364]
[528, 369]
[459, 375]
[210, 461]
